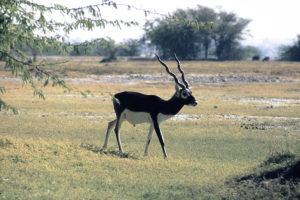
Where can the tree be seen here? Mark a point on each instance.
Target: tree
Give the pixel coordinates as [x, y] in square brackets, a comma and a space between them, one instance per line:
[291, 53]
[130, 48]
[26, 22]
[222, 29]
[228, 30]
[110, 51]
[173, 36]
[204, 15]
[250, 51]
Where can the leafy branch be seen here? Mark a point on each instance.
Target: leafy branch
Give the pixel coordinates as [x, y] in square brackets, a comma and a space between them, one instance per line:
[4, 106]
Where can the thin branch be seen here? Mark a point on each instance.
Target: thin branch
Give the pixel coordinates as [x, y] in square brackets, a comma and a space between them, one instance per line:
[27, 63]
[104, 3]
[4, 106]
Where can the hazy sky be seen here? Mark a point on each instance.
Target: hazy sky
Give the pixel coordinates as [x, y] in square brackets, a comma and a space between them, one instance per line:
[274, 21]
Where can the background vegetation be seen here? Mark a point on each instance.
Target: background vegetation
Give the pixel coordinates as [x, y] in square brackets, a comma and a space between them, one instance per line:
[291, 53]
[220, 36]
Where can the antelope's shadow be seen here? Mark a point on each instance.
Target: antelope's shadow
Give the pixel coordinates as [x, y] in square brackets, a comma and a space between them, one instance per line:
[108, 151]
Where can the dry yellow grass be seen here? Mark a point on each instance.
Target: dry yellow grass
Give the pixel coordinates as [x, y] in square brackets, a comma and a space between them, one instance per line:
[83, 66]
[51, 150]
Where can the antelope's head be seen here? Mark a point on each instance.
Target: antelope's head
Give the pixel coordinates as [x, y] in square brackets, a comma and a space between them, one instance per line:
[183, 91]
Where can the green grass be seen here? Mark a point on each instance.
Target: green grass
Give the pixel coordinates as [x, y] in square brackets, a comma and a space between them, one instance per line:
[52, 149]
[276, 178]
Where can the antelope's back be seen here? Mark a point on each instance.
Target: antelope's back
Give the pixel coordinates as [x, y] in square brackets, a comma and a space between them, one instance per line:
[139, 102]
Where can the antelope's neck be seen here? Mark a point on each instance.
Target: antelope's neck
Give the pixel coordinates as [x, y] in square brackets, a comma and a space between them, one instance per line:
[172, 106]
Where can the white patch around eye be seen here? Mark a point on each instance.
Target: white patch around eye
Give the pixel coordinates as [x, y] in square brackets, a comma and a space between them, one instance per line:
[184, 94]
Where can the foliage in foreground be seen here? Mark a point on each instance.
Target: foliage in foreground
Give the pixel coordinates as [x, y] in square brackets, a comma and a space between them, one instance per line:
[30, 24]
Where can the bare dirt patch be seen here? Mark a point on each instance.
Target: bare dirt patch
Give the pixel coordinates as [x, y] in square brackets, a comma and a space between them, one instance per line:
[148, 78]
[192, 78]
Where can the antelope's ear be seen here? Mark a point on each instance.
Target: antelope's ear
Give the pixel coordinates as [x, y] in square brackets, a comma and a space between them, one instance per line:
[177, 90]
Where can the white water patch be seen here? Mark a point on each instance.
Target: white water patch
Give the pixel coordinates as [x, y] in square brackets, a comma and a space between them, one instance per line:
[108, 117]
[184, 117]
[179, 117]
[270, 101]
[132, 79]
[85, 115]
[192, 78]
[81, 96]
[247, 117]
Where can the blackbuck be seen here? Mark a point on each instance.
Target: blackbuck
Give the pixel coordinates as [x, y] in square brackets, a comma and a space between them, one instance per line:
[139, 108]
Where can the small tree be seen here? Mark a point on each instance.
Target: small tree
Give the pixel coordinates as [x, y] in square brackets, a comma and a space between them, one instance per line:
[130, 48]
[110, 50]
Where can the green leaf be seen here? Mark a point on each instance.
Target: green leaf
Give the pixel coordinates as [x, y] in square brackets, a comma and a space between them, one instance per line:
[175, 18]
[196, 25]
[83, 94]
[2, 90]
[4, 106]
[114, 99]
[88, 91]
[46, 82]
[39, 93]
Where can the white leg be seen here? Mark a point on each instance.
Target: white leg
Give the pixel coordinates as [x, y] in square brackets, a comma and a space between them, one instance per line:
[109, 128]
[148, 139]
[117, 131]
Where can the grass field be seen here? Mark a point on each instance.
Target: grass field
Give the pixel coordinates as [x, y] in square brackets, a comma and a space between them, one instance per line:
[52, 148]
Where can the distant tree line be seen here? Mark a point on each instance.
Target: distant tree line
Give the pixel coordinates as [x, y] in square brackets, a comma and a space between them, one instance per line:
[216, 35]
[103, 47]
[109, 47]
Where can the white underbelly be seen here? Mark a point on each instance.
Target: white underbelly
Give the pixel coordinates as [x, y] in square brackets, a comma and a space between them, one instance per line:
[142, 117]
[162, 117]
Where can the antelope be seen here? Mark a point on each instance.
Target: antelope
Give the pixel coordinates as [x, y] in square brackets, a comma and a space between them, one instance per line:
[137, 108]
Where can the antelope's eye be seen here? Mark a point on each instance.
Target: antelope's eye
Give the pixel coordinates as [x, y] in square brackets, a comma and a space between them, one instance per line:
[184, 94]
